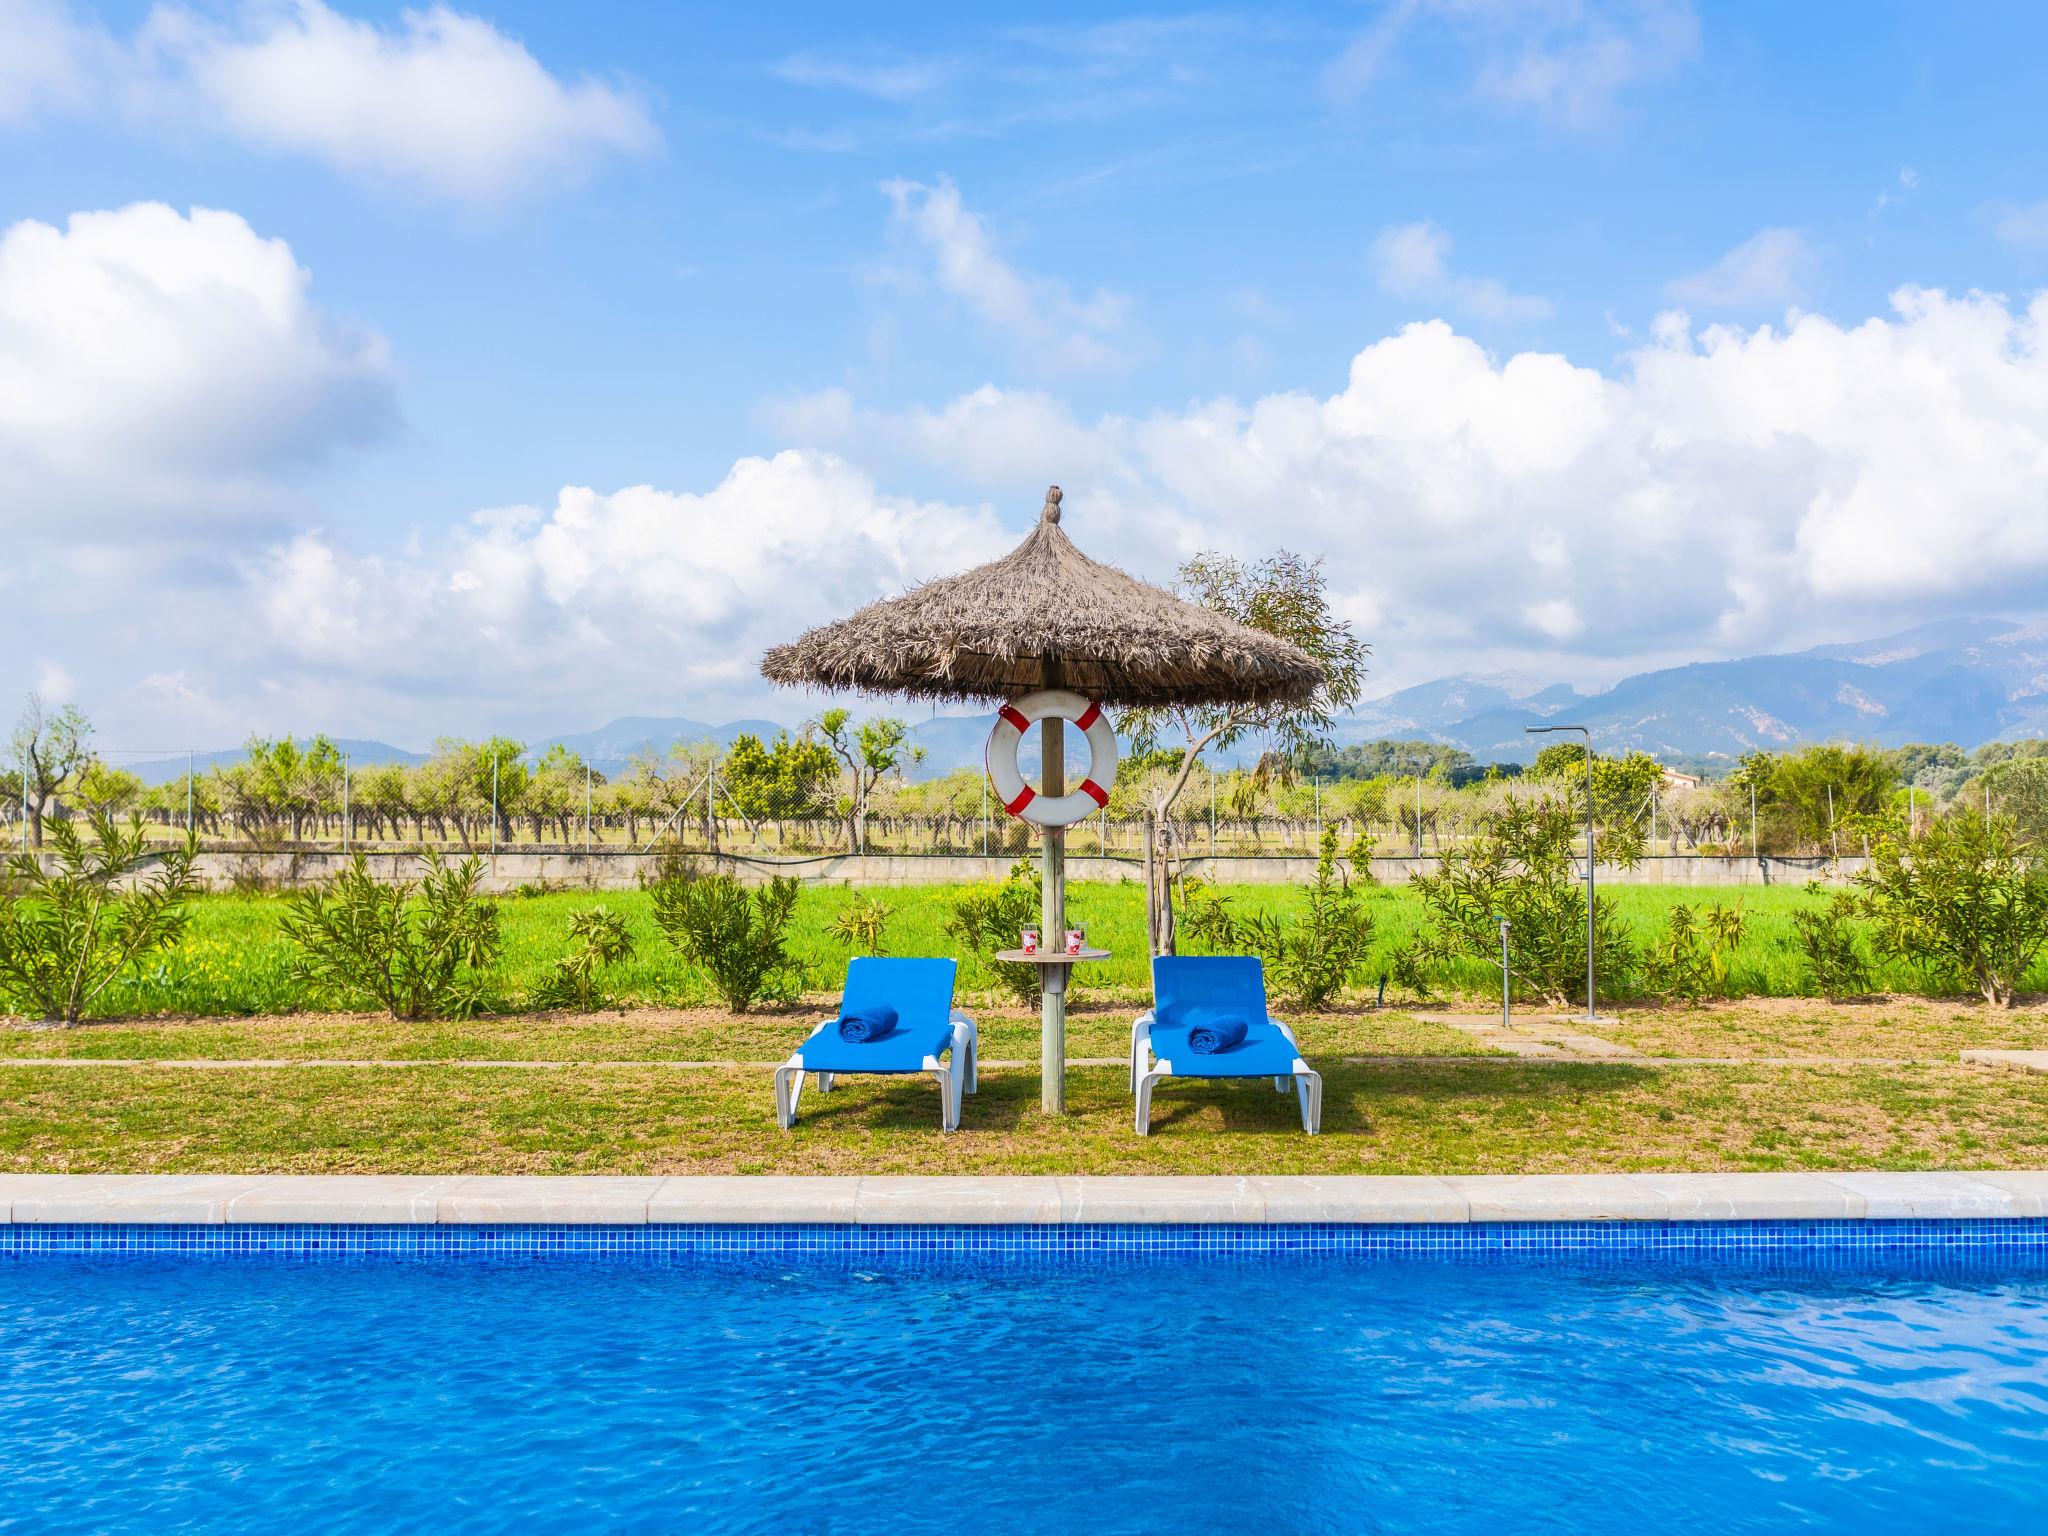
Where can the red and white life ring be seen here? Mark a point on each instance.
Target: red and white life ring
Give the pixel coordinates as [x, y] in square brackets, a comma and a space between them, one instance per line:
[1019, 798]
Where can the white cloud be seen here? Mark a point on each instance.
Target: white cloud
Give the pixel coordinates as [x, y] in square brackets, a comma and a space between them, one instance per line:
[1412, 261]
[443, 103]
[1720, 491]
[2026, 226]
[1771, 267]
[1566, 61]
[1040, 316]
[1907, 184]
[1724, 490]
[54, 682]
[1557, 617]
[162, 373]
[895, 80]
[48, 59]
[665, 599]
[1572, 61]
[439, 103]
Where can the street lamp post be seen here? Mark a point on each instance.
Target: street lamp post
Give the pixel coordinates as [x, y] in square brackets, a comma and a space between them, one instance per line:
[1587, 735]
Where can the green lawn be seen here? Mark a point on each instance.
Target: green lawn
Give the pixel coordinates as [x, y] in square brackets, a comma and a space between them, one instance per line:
[1405, 1093]
[1481, 1116]
[234, 961]
[654, 1034]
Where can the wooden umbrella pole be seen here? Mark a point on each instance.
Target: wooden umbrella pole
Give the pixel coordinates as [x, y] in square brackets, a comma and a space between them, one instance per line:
[1052, 1048]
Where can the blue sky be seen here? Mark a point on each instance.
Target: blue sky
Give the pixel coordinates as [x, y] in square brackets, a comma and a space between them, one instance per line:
[1577, 337]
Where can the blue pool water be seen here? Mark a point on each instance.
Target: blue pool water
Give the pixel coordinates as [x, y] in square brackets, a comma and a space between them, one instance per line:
[153, 1394]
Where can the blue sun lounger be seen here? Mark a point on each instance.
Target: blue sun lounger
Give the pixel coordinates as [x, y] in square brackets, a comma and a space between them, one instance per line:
[928, 1026]
[1195, 992]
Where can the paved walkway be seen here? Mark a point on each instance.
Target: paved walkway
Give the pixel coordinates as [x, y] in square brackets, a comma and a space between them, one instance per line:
[1535, 1035]
[2018, 1061]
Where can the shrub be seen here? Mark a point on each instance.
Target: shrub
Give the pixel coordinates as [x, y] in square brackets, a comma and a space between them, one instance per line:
[1206, 922]
[1835, 962]
[1692, 956]
[1521, 867]
[1363, 847]
[599, 939]
[987, 918]
[1314, 957]
[417, 949]
[861, 925]
[733, 935]
[67, 933]
[1968, 902]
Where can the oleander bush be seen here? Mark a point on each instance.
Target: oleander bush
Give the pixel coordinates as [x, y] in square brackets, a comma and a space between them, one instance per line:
[987, 918]
[71, 931]
[1523, 868]
[735, 936]
[598, 938]
[1967, 902]
[862, 925]
[1830, 940]
[418, 949]
[1308, 958]
[1694, 957]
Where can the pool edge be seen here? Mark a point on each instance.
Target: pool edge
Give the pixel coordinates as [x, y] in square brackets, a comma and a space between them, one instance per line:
[1093, 1202]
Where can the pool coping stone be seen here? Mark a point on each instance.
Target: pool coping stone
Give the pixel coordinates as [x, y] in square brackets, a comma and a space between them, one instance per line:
[1044, 1200]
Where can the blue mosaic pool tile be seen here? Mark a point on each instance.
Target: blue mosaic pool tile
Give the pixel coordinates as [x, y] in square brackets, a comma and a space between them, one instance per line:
[1805, 1245]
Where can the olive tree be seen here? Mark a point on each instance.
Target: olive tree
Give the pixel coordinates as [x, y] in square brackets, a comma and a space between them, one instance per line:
[49, 748]
[1285, 595]
[870, 751]
[2019, 789]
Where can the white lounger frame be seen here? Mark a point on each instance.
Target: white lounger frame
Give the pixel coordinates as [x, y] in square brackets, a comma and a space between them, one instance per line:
[956, 1076]
[1147, 1070]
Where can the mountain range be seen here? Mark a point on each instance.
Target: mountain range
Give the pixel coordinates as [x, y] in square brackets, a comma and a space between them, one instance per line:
[1966, 681]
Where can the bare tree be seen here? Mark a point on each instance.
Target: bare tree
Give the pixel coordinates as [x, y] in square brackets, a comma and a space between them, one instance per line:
[1284, 595]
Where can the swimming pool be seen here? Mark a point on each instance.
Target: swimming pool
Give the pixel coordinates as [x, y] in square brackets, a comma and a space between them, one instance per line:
[1284, 1393]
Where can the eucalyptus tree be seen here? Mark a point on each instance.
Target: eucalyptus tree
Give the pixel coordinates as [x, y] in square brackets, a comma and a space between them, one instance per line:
[1819, 791]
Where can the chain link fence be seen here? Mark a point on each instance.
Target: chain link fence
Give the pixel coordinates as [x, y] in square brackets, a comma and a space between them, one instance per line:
[478, 801]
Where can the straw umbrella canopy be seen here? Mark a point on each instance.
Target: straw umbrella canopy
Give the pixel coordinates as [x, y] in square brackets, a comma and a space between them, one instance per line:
[1047, 616]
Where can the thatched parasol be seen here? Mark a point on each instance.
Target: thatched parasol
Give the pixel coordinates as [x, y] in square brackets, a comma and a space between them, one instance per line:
[1047, 616]
[988, 634]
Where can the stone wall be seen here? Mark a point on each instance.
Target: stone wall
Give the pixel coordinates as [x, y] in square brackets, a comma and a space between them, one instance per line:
[506, 872]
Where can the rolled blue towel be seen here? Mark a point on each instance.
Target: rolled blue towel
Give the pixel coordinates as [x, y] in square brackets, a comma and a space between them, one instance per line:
[1210, 1031]
[857, 1026]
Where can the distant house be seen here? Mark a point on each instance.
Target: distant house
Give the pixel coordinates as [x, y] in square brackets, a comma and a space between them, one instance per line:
[1673, 779]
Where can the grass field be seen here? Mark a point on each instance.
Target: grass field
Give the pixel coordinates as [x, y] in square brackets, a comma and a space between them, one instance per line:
[234, 960]
[1490, 1115]
[652, 1034]
[1405, 1093]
